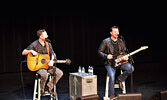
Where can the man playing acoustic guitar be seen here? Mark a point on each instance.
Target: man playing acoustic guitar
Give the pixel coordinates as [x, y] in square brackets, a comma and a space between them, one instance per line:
[42, 47]
[109, 50]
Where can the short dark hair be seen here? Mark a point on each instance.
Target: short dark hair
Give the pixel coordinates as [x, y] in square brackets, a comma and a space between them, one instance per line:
[39, 32]
[113, 28]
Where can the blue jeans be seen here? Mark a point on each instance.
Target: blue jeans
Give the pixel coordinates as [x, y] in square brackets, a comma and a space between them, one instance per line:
[126, 68]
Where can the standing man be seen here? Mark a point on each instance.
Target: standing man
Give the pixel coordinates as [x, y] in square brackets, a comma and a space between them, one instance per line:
[109, 49]
[41, 46]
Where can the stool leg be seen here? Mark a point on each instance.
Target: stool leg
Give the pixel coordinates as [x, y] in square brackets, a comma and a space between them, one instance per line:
[35, 88]
[39, 92]
[124, 88]
[106, 90]
[51, 96]
[56, 96]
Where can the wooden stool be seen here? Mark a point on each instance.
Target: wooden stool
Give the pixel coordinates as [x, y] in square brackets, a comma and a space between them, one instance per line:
[115, 86]
[37, 91]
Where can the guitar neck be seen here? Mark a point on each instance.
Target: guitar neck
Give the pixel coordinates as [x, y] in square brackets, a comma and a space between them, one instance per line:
[60, 61]
[134, 52]
[119, 59]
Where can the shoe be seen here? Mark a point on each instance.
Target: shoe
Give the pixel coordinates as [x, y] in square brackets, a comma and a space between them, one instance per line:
[120, 83]
[43, 93]
[49, 90]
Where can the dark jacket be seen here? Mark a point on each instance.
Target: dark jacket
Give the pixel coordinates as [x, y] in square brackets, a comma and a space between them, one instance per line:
[106, 48]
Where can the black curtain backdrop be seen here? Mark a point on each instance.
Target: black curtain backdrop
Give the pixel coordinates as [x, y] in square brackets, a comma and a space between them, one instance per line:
[77, 33]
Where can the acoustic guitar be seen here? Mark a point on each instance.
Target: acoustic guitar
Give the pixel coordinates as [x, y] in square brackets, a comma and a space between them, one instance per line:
[39, 61]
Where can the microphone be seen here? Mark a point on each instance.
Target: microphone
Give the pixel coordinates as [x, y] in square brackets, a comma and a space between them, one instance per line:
[46, 39]
[120, 36]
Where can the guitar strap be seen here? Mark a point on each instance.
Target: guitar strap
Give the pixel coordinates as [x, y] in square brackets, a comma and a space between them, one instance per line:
[47, 47]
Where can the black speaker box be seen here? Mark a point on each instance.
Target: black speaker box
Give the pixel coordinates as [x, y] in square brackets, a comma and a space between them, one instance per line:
[130, 96]
[161, 95]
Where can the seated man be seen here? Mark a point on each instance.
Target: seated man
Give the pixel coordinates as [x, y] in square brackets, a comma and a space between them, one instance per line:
[109, 49]
[41, 46]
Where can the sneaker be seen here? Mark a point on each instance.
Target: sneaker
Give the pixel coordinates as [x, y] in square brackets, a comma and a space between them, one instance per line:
[120, 83]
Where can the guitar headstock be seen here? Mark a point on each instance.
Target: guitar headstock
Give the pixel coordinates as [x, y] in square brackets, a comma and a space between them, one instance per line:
[68, 61]
[144, 47]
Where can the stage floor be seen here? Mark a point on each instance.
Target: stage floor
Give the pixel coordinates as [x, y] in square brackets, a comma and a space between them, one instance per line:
[149, 78]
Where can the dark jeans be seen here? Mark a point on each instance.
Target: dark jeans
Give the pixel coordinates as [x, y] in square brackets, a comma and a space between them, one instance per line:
[126, 68]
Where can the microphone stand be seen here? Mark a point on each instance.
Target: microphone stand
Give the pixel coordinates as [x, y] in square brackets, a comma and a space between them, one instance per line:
[131, 61]
[54, 73]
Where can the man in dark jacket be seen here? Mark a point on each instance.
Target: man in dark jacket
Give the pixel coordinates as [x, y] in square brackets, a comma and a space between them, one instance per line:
[109, 50]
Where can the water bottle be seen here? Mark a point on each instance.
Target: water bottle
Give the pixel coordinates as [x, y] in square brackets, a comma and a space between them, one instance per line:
[83, 70]
[79, 70]
[91, 70]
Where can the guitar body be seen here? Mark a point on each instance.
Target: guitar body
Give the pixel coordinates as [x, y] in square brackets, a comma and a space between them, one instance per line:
[121, 60]
[37, 62]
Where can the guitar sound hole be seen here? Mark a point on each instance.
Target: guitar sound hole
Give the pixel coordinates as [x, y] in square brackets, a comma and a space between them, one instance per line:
[43, 61]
